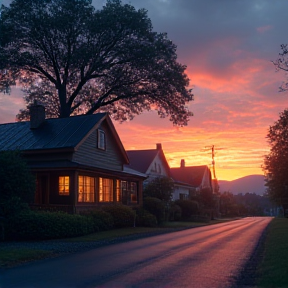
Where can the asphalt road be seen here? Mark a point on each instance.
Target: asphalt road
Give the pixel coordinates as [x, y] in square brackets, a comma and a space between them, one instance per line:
[209, 256]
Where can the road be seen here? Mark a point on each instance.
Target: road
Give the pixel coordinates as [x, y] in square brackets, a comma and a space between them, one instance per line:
[209, 256]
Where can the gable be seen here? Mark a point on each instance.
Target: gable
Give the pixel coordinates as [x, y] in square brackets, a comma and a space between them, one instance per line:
[158, 166]
[89, 153]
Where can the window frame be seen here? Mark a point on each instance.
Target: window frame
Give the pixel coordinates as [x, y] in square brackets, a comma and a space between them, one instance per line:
[86, 197]
[64, 184]
[106, 191]
[101, 140]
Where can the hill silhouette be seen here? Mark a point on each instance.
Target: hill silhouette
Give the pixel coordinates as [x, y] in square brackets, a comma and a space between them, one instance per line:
[248, 184]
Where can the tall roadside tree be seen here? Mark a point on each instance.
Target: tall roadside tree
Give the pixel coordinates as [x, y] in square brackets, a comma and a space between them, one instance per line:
[75, 59]
[276, 162]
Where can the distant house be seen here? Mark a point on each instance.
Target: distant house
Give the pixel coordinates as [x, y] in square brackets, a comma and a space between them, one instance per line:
[189, 180]
[79, 162]
[151, 162]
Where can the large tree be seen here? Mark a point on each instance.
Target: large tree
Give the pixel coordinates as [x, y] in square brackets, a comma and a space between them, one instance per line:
[276, 162]
[76, 59]
[281, 64]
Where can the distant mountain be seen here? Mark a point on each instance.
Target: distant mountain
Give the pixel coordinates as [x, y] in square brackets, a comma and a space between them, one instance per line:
[247, 184]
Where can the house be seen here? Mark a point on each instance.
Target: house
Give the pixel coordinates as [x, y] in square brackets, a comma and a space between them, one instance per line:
[151, 162]
[79, 162]
[189, 180]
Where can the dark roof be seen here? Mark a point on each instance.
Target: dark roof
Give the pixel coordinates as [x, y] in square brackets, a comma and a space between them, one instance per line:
[192, 175]
[140, 160]
[54, 133]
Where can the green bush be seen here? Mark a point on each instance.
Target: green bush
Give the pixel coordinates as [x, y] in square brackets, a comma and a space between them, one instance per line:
[32, 225]
[188, 207]
[161, 188]
[145, 219]
[123, 216]
[175, 212]
[17, 183]
[102, 220]
[156, 207]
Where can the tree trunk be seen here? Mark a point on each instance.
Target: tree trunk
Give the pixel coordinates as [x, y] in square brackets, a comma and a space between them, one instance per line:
[65, 108]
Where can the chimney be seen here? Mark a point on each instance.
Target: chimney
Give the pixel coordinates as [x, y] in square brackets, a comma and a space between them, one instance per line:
[159, 146]
[37, 115]
[182, 163]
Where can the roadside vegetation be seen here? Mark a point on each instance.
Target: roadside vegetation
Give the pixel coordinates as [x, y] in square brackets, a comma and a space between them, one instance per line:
[273, 269]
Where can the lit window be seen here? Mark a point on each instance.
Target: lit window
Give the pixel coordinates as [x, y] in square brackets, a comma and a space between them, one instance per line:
[63, 185]
[101, 140]
[118, 191]
[86, 189]
[105, 190]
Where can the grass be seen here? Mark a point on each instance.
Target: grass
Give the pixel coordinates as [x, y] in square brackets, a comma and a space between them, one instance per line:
[15, 256]
[273, 270]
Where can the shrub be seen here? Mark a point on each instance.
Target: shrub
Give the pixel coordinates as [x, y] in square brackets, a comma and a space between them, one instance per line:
[32, 225]
[17, 183]
[145, 218]
[175, 212]
[188, 207]
[102, 220]
[123, 216]
[161, 188]
[156, 207]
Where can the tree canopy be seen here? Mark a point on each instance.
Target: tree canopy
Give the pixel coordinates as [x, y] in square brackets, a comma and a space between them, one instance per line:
[161, 188]
[281, 64]
[276, 162]
[75, 59]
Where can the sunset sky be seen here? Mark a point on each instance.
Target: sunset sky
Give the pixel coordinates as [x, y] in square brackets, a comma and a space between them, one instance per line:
[227, 46]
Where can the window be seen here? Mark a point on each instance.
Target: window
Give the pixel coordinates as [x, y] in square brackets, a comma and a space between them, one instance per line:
[101, 140]
[86, 189]
[64, 185]
[105, 190]
[118, 191]
[133, 192]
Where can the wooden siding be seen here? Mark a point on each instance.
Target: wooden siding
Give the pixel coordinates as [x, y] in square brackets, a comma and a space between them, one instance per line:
[88, 153]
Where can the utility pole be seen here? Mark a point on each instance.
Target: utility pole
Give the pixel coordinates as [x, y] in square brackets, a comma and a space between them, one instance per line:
[215, 186]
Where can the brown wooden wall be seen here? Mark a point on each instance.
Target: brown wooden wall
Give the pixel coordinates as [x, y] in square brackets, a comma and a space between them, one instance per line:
[88, 153]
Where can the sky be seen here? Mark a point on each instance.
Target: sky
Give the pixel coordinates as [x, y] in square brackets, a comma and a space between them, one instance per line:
[228, 47]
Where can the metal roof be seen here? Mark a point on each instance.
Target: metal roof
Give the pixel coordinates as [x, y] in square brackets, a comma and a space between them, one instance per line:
[55, 133]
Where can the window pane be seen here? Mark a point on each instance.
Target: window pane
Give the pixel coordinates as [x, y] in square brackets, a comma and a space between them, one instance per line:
[86, 189]
[105, 190]
[63, 183]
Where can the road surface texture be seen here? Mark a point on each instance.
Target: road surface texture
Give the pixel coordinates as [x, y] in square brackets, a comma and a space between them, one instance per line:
[209, 256]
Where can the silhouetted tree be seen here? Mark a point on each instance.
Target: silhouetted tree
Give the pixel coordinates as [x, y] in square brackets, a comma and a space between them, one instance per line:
[281, 64]
[78, 60]
[276, 162]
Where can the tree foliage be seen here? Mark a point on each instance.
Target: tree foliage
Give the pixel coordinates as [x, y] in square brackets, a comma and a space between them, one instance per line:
[161, 188]
[75, 59]
[276, 162]
[281, 64]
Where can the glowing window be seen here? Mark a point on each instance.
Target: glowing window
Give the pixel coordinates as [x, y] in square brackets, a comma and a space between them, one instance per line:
[86, 189]
[118, 191]
[105, 190]
[64, 185]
